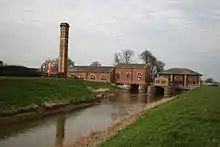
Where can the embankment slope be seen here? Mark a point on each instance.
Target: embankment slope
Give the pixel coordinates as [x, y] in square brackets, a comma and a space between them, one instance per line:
[16, 93]
[191, 120]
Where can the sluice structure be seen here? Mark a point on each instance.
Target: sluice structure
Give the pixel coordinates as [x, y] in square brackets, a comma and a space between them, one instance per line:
[168, 91]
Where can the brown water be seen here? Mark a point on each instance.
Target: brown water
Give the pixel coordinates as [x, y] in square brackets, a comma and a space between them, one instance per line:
[62, 128]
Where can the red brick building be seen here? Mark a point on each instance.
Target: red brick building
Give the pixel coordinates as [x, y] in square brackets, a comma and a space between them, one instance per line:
[131, 73]
[90, 73]
[120, 74]
[178, 77]
[48, 68]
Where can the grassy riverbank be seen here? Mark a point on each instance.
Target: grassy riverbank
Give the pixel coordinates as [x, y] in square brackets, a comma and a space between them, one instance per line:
[191, 120]
[21, 92]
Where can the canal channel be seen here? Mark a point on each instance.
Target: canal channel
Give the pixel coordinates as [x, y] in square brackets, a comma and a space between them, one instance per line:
[63, 128]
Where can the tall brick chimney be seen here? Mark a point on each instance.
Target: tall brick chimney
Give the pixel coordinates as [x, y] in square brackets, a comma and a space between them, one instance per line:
[63, 52]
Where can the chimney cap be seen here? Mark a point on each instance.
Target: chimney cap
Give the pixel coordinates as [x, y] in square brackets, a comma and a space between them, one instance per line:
[64, 24]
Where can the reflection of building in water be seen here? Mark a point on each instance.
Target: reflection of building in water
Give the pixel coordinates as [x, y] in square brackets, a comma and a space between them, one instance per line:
[142, 98]
[119, 111]
[60, 134]
[151, 99]
[122, 99]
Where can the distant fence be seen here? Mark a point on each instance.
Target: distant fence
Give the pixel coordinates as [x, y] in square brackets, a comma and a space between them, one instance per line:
[19, 71]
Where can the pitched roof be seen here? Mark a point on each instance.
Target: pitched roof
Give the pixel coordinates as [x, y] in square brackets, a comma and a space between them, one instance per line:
[91, 68]
[125, 65]
[181, 71]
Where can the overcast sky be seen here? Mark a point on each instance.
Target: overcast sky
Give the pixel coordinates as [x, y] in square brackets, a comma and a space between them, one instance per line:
[181, 33]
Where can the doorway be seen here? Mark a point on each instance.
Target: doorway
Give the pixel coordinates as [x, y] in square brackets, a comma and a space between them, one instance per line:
[159, 91]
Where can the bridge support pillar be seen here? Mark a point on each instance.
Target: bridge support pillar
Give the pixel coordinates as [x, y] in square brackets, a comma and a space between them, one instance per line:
[168, 92]
[150, 90]
[142, 88]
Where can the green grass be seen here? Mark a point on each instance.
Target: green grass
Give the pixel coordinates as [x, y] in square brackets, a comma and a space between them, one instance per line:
[19, 92]
[192, 120]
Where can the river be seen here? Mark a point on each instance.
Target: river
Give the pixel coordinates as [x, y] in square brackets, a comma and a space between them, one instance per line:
[63, 128]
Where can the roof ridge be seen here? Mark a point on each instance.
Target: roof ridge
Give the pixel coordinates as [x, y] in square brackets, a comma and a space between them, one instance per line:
[181, 71]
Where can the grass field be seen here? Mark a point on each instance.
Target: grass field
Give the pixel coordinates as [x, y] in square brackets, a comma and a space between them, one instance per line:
[192, 120]
[21, 92]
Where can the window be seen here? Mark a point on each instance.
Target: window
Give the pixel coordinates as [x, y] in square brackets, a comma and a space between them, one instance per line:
[118, 75]
[103, 77]
[139, 75]
[81, 76]
[92, 77]
[194, 82]
[128, 74]
[157, 81]
[163, 82]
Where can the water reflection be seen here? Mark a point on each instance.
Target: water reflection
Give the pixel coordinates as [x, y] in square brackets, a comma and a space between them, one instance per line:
[119, 104]
[142, 98]
[61, 129]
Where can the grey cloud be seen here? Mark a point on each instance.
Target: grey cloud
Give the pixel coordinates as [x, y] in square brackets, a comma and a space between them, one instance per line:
[180, 33]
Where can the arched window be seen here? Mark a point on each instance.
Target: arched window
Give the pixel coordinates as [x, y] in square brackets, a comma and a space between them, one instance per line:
[139, 76]
[92, 77]
[103, 77]
[118, 74]
[82, 76]
[128, 74]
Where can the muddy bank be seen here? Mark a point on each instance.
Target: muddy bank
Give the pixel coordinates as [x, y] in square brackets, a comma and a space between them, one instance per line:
[94, 138]
[50, 108]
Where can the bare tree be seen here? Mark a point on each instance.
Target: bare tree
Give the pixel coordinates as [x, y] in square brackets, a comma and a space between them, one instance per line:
[116, 58]
[148, 58]
[155, 65]
[124, 57]
[70, 62]
[55, 63]
[96, 64]
[160, 66]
